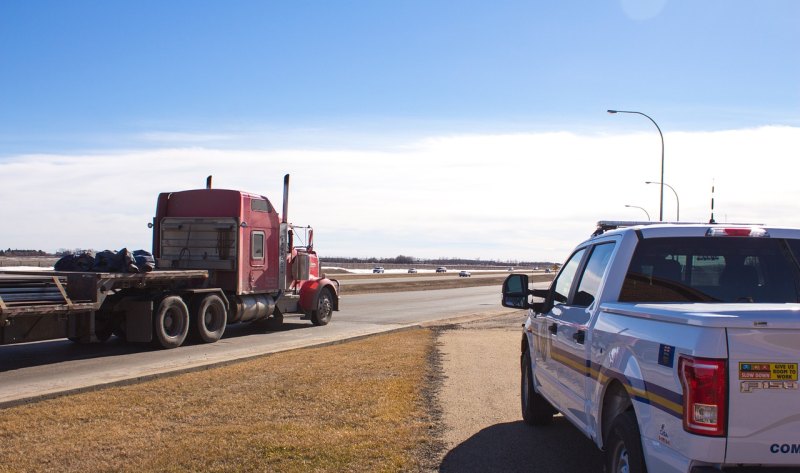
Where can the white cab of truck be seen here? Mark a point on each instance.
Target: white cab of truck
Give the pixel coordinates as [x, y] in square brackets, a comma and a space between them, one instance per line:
[674, 347]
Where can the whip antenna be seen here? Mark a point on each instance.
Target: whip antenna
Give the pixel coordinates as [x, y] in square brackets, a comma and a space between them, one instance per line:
[712, 203]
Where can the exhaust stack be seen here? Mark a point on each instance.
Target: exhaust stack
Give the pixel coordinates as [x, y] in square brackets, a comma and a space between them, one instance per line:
[284, 215]
[285, 246]
[208, 182]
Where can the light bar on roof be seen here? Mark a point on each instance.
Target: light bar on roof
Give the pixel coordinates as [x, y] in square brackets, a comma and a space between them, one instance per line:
[737, 232]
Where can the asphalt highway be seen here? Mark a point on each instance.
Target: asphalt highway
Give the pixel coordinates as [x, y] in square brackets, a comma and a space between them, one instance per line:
[395, 278]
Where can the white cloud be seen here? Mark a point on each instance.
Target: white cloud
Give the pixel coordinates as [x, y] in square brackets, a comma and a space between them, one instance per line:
[517, 196]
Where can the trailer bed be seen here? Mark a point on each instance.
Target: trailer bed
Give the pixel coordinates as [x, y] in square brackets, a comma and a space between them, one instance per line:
[64, 292]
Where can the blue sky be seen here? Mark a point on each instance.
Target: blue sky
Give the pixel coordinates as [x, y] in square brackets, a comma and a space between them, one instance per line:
[76, 71]
[82, 79]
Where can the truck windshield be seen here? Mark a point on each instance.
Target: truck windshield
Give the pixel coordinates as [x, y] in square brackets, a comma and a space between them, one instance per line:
[707, 269]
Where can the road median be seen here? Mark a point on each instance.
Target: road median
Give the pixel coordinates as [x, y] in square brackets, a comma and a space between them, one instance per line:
[439, 283]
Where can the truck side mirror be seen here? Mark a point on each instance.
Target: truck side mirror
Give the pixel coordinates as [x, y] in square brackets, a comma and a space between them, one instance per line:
[516, 292]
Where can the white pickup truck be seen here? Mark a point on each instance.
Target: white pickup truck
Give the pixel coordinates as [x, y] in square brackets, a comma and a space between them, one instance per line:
[674, 347]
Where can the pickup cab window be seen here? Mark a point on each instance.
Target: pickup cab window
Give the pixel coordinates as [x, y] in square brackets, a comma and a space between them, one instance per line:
[706, 269]
[590, 280]
[566, 277]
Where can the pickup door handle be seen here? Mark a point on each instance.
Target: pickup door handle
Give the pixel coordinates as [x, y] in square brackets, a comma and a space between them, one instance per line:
[579, 336]
[553, 328]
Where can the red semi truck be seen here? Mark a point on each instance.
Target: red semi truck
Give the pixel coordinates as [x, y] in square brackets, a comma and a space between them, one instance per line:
[223, 256]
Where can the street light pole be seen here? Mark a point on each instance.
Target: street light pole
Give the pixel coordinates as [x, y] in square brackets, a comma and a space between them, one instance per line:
[677, 200]
[661, 202]
[641, 208]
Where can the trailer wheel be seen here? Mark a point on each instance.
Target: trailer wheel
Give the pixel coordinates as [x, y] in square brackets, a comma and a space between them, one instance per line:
[104, 333]
[322, 314]
[209, 318]
[119, 330]
[170, 322]
[624, 446]
[103, 328]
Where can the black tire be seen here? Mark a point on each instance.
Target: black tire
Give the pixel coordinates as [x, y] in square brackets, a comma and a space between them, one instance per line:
[324, 310]
[535, 409]
[119, 330]
[209, 318]
[103, 328]
[624, 446]
[275, 322]
[170, 322]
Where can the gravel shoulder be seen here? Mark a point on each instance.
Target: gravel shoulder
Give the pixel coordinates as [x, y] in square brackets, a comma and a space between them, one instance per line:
[479, 407]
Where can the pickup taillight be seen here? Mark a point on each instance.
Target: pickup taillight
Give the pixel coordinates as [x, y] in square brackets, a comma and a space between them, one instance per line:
[705, 388]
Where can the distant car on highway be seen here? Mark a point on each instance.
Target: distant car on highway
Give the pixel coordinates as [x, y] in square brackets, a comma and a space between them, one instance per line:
[412, 270]
[464, 274]
[546, 270]
[378, 269]
[511, 268]
[441, 269]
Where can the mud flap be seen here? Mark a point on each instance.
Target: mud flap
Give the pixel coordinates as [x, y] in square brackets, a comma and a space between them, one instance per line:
[138, 320]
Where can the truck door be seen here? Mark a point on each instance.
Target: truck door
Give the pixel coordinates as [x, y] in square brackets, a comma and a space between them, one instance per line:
[549, 357]
[569, 343]
[258, 261]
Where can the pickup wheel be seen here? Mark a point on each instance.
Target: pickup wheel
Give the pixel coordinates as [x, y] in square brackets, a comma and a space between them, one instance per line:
[209, 318]
[322, 314]
[624, 446]
[170, 322]
[535, 409]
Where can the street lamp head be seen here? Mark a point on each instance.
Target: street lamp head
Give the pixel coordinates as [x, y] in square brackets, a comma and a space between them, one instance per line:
[640, 208]
[651, 182]
[661, 200]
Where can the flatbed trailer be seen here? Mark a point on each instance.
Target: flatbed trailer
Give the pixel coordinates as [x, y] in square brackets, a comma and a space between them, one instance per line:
[85, 306]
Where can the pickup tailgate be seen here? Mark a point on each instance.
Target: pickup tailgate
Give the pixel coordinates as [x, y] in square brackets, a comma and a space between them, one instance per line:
[764, 410]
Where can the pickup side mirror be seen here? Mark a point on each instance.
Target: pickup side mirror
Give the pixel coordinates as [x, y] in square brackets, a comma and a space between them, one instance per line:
[516, 292]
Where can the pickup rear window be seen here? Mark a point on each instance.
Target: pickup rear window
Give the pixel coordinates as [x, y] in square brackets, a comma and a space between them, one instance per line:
[708, 269]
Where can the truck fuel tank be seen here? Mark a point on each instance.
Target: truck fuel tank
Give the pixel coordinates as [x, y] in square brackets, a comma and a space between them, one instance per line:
[251, 307]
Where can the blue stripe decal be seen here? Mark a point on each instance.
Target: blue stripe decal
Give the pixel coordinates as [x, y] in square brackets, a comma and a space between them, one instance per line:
[640, 390]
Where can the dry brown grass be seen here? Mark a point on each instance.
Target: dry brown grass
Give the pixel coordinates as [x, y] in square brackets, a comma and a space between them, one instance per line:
[356, 406]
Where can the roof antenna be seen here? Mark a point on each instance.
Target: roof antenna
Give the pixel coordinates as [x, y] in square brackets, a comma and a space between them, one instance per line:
[208, 182]
[712, 203]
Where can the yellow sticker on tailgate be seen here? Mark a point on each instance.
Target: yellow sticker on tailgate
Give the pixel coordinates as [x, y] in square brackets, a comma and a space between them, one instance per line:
[768, 371]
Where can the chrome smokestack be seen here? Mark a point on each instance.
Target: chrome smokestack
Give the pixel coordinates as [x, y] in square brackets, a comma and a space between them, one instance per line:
[284, 216]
